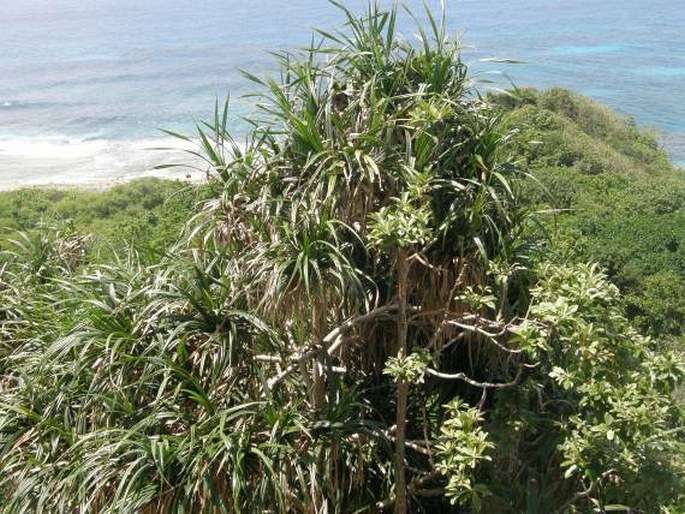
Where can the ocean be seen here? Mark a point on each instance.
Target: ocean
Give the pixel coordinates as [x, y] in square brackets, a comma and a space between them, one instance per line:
[86, 86]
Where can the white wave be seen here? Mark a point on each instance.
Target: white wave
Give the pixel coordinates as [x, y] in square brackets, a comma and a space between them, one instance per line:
[34, 148]
[32, 161]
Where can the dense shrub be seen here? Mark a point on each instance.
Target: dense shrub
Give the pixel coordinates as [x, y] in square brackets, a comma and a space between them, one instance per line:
[618, 199]
[148, 213]
[354, 322]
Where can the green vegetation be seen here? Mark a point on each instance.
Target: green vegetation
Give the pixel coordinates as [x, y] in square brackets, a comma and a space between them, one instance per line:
[619, 201]
[358, 316]
[146, 213]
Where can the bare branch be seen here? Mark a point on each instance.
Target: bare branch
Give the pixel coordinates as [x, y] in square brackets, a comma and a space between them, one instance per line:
[418, 313]
[492, 337]
[334, 338]
[587, 490]
[423, 260]
[297, 360]
[273, 358]
[419, 447]
[474, 383]
[415, 488]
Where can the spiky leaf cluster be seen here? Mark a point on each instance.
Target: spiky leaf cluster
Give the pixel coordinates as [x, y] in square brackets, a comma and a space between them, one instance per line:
[356, 285]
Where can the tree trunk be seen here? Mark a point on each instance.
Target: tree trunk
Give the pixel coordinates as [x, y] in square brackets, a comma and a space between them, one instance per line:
[318, 391]
[402, 387]
[318, 399]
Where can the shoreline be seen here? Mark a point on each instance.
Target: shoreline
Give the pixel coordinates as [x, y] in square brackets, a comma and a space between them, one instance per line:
[108, 182]
[100, 164]
[101, 186]
[93, 164]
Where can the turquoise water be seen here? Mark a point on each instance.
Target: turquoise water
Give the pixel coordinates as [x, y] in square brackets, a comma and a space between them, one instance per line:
[84, 86]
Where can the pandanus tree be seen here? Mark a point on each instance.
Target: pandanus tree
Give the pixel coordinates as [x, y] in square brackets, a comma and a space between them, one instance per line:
[374, 194]
[348, 324]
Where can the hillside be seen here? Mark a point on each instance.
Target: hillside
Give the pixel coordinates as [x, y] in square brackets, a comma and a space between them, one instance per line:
[617, 198]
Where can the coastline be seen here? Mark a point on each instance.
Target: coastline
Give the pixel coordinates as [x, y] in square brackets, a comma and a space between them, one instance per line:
[78, 165]
[93, 164]
[674, 145]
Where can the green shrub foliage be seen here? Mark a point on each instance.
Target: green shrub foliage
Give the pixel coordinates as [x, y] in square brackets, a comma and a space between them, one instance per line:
[353, 322]
[618, 200]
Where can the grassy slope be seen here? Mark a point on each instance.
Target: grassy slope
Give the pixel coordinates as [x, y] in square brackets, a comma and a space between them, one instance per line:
[623, 202]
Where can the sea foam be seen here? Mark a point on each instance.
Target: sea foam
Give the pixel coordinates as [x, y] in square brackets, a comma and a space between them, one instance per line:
[92, 162]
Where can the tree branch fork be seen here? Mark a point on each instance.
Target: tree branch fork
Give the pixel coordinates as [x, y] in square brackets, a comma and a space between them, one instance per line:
[336, 340]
